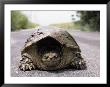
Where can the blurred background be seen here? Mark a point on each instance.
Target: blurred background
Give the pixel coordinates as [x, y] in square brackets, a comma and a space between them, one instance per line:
[76, 20]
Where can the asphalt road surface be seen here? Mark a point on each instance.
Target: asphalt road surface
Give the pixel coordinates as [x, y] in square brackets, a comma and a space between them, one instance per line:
[89, 43]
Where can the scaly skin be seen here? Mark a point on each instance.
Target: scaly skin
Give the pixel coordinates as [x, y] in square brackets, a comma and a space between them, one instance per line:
[26, 63]
[78, 62]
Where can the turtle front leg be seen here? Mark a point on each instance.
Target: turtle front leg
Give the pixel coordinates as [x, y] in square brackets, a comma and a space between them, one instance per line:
[78, 62]
[26, 63]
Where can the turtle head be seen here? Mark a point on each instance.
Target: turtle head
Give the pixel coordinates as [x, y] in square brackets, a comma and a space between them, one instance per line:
[51, 59]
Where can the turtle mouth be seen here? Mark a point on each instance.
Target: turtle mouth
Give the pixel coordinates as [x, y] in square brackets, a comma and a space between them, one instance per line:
[50, 51]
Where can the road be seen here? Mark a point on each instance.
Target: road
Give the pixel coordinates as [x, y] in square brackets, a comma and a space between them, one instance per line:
[89, 43]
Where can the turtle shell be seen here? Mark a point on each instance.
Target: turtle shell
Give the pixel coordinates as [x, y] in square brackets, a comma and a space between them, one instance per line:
[55, 43]
[62, 36]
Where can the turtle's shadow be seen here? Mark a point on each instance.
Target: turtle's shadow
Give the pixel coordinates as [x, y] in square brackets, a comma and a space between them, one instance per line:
[64, 69]
[61, 70]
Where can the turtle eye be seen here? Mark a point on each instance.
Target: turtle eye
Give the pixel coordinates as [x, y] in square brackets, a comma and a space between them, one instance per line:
[55, 56]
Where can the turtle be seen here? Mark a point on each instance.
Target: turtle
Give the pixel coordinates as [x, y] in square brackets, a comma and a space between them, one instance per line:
[51, 49]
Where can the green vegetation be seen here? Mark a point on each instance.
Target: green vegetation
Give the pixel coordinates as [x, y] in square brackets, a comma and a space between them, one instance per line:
[90, 20]
[20, 21]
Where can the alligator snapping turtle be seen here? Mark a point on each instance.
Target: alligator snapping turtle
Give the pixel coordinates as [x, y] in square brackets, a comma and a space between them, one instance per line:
[51, 49]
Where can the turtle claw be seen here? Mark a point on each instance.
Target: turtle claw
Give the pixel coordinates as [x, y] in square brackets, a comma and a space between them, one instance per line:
[27, 67]
[79, 64]
[26, 64]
